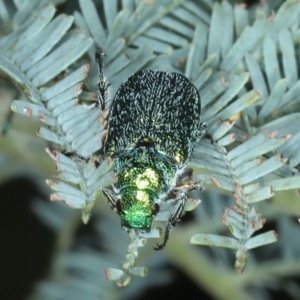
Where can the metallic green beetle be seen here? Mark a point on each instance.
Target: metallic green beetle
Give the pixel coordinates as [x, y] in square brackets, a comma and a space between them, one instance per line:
[152, 126]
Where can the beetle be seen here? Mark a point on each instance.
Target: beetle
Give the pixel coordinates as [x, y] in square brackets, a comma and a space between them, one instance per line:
[152, 125]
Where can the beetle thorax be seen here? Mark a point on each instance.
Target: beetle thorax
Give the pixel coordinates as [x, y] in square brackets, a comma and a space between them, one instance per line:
[145, 169]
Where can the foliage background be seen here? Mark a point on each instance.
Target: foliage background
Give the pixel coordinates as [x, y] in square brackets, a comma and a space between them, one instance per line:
[48, 253]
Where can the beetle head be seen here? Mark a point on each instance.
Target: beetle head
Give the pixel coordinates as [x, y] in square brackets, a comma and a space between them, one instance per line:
[137, 208]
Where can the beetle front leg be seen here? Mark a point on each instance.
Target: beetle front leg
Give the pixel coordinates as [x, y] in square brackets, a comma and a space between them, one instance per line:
[179, 207]
[110, 198]
[196, 186]
[181, 197]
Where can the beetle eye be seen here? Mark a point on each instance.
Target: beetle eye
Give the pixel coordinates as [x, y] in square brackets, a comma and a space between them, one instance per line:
[119, 206]
[155, 209]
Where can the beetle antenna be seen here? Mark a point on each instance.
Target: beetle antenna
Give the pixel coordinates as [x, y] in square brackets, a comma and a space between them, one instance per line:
[102, 85]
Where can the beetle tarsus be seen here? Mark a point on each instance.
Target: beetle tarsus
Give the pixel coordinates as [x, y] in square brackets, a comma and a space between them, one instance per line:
[166, 237]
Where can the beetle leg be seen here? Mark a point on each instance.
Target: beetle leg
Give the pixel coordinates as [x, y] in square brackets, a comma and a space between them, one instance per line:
[173, 219]
[196, 186]
[102, 85]
[204, 134]
[110, 198]
[174, 195]
[180, 198]
[202, 129]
